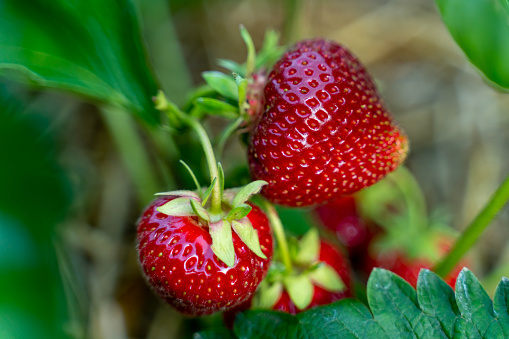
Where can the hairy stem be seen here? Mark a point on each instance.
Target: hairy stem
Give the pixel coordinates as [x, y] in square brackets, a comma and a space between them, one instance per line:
[475, 229]
[279, 233]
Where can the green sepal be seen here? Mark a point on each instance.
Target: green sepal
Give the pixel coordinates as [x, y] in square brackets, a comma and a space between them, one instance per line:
[300, 289]
[217, 107]
[232, 66]
[268, 295]
[180, 193]
[248, 235]
[220, 173]
[326, 277]
[222, 84]
[222, 241]
[206, 195]
[251, 53]
[180, 207]
[242, 85]
[196, 182]
[199, 210]
[247, 191]
[239, 212]
[270, 51]
[309, 248]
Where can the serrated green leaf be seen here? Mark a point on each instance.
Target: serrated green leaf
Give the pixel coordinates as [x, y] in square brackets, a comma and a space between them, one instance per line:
[476, 306]
[54, 51]
[180, 207]
[207, 193]
[309, 248]
[217, 107]
[222, 83]
[222, 241]
[481, 29]
[500, 307]
[394, 305]
[326, 277]
[239, 212]
[268, 295]
[300, 289]
[247, 191]
[436, 298]
[199, 210]
[248, 235]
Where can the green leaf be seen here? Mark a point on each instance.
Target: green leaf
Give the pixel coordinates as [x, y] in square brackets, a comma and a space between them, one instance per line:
[300, 289]
[180, 193]
[91, 48]
[309, 248]
[501, 303]
[481, 29]
[326, 277]
[239, 212]
[436, 298]
[222, 241]
[248, 235]
[476, 306]
[222, 83]
[207, 193]
[247, 191]
[232, 66]
[199, 210]
[217, 107]
[180, 207]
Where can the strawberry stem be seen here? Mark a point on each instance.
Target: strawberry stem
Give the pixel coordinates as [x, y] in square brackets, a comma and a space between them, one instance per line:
[277, 227]
[475, 229]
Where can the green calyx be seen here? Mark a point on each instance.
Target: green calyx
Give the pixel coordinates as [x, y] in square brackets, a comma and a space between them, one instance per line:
[233, 217]
[299, 283]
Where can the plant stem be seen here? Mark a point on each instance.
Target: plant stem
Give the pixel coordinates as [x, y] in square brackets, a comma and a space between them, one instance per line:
[279, 233]
[475, 229]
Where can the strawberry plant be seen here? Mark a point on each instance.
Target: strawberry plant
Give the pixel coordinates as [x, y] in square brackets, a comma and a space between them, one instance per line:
[317, 218]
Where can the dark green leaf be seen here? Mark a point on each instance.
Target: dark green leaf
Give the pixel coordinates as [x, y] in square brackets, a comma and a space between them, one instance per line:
[476, 306]
[394, 305]
[216, 107]
[92, 48]
[265, 324]
[222, 83]
[501, 301]
[481, 29]
[436, 298]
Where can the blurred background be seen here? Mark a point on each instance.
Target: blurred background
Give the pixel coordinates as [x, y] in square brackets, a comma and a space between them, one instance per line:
[75, 173]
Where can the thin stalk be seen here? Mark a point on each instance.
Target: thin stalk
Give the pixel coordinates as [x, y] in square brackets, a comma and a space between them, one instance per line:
[279, 233]
[475, 229]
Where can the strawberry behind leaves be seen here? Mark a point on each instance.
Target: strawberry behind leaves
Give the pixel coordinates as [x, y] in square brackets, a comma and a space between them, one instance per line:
[325, 131]
[177, 260]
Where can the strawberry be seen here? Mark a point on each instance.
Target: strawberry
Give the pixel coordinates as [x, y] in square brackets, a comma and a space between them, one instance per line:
[332, 257]
[178, 260]
[325, 131]
[408, 267]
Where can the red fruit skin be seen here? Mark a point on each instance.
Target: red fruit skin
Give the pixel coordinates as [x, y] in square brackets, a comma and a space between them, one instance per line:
[177, 261]
[325, 131]
[333, 257]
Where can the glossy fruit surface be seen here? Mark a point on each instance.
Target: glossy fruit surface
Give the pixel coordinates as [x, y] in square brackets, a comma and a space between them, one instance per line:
[325, 132]
[177, 261]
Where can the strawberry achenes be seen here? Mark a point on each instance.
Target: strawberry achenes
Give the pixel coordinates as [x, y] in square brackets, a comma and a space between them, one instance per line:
[325, 132]
[178, 262]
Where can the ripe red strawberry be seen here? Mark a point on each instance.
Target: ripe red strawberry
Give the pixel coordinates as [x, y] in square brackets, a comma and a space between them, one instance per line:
[397, 261]
[325, 132]
[178, 262]
[321, 296]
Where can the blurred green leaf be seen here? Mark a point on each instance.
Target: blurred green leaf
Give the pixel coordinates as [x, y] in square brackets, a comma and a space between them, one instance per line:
[91, 48]
[34, 197]
[481, 29]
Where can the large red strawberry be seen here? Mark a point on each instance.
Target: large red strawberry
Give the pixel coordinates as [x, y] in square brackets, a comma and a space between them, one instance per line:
[325, 132]
[178, 259]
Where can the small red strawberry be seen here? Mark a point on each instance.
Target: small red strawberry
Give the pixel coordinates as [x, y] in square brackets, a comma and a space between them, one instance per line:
[407, 266]
[177, 258]
[332, 257]
[325, 132]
